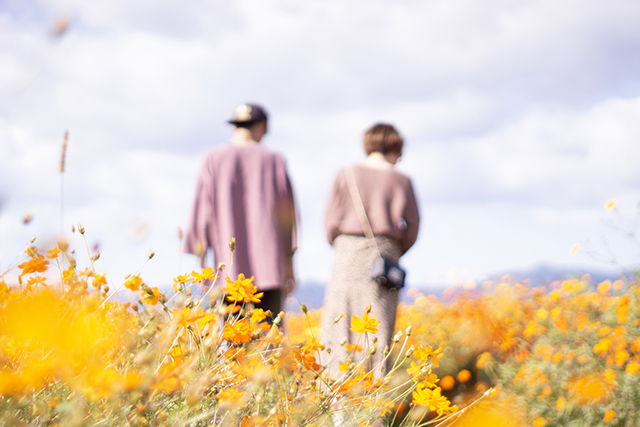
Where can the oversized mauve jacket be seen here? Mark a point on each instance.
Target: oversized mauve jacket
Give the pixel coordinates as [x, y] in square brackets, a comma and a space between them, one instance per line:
[389, 202]
[244, 192]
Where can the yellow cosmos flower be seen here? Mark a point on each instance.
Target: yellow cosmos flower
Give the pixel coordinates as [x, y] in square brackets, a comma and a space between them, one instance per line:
[132, 282]
[365, 325]
[591, 389]
[432, 399]
[574, 249]
[151, 296]
[229, 398]
[206, 274]
[496, 413]
[258, 315]
[427, 354]
[185, 316]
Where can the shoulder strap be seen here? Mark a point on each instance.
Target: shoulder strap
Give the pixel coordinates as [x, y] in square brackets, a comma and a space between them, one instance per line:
[360, 210]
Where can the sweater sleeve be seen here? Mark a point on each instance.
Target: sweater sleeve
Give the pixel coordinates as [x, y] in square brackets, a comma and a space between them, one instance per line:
[411, 217]
[335, 208]
[197, 239]
[286, 208]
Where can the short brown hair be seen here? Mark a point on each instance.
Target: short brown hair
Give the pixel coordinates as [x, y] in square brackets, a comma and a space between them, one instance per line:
[383, 138]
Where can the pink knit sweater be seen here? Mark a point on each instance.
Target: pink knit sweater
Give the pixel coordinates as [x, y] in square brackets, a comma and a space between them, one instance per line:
[388, 199]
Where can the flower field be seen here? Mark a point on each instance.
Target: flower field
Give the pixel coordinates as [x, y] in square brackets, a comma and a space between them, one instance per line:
[503, 355]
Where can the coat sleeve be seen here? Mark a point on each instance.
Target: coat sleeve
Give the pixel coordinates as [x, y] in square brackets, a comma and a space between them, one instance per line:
[411, 217]
[335, 208]
[198, 235]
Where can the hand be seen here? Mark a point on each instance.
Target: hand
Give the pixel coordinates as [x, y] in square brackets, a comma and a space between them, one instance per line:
[289, 285]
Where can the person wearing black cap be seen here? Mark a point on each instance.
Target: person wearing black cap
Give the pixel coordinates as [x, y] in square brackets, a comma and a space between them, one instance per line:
[244, 192]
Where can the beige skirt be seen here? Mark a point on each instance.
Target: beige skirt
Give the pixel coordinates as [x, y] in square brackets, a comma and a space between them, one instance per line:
[350, 291]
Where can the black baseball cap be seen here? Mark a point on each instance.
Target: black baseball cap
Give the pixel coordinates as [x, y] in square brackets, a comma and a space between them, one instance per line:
[248, 113]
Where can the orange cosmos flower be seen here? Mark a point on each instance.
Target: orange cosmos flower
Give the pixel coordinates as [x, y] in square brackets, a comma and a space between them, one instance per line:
[464, 376]
[632, 368]
[37, 264]
[53, 253]
[242, 290]
[238, 333]
[447, 383]
[609, 415]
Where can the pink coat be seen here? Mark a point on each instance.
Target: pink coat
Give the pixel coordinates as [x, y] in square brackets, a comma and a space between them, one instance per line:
[244, 192]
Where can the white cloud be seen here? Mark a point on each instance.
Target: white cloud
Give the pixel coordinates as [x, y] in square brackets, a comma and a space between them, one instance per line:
[524, 110]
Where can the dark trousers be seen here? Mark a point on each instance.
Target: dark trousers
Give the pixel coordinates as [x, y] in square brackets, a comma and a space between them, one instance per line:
[271, 300]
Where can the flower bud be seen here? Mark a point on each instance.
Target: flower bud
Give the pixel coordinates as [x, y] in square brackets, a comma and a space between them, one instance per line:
[386, 350]
[96, 256]
[80, 228]
[151, 254]
[368, 309]
[221, 266]
[337, 319]
[408, 331]
[410, 351]
[303, 308]
[232, 244]
[27, 218]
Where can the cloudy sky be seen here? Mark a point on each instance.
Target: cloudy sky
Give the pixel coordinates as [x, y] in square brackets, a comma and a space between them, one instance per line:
[521, 120]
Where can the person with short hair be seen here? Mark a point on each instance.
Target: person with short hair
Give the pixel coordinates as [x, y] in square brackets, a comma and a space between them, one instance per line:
[392, 212]
[244, 192]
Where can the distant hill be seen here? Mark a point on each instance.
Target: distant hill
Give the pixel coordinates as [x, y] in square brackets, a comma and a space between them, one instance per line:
[312, 293]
